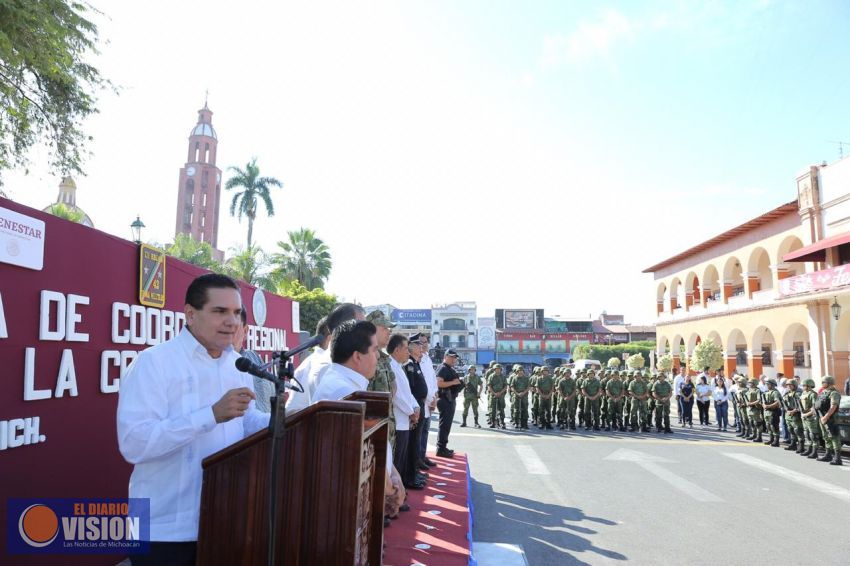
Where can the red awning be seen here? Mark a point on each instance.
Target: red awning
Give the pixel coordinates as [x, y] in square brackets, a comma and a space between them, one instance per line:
[817, 251]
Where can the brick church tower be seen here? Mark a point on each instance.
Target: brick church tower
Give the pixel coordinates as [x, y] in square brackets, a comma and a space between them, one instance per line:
[199, 191]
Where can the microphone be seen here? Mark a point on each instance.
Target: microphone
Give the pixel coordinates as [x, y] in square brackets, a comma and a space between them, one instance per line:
[312, 341]
[247, 366]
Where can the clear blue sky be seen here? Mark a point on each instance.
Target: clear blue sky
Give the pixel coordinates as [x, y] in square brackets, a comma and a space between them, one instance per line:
[602, 136]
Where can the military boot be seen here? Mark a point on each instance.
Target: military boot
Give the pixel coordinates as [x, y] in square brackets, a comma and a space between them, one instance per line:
[769, 440]
[837, 460]
[758, 438]
[741, 432]
[492, 424]
[476, 423]
[463, 424]
[775, 443]
[826, 457]
[802, 449]
[792, 446]
[813, 453]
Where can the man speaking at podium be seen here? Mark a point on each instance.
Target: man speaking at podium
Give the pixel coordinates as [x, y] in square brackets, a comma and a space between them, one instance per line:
[181, 401]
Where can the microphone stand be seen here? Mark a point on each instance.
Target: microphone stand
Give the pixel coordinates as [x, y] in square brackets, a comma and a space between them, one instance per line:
[277, 429]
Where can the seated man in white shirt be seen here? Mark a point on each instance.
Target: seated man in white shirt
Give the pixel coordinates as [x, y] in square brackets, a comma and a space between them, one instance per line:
[354, 357]
[180, 402]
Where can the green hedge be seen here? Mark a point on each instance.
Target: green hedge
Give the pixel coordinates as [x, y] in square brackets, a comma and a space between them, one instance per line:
[603, 353]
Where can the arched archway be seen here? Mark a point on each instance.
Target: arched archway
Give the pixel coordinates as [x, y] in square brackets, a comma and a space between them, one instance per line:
[796, 357]
[733, 278]
[764, 341]
[693, 340]
[759, 275]
[677, 295]
[692, 290]
[661, 296]
[737, 349]
[714, 336]
[711, 284]
[662, 345]
[791, 268]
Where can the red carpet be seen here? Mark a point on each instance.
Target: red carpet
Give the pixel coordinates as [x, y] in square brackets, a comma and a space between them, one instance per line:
[434, 539]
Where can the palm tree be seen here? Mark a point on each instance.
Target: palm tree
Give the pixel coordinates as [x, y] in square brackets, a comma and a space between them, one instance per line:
[304, 258]
[191, 251]
[71, 213]
[254, 188]
[248, 265]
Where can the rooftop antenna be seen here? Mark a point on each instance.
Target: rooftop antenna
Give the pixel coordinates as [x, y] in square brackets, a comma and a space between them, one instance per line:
[841, 145]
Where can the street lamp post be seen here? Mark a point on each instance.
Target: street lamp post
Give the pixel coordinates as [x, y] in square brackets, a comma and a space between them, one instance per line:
[136, 227]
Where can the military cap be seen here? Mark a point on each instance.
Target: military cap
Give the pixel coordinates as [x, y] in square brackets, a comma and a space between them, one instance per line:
[415, 338]
[828, 379]
[742, 380]
[567, 371]
[497, 366]
[771, 381]
[493, 363]
[809, 381]
[792, 380]
[378, 318]
[451, 353]
[754, 381]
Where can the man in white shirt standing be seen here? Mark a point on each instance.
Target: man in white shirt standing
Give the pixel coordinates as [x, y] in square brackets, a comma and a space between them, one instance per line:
[405, 407]
[298, 400]
[677, 391]
[180, 402]
[354, 356]
[430, 374]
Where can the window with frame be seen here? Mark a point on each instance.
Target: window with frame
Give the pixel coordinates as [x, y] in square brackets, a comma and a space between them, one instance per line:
[767, 355]
[800, 358]
[741, 355]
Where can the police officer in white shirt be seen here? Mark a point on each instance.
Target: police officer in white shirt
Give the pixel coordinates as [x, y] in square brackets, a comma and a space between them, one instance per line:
[181, 401]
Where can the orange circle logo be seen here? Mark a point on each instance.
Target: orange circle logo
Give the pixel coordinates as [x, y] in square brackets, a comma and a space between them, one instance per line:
[38, 525]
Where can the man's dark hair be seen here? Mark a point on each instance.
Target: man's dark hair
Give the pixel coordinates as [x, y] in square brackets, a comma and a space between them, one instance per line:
[706, 368]
[196, 294]
[322, 326]
[349, 337]
[342, 313]
[396, 341]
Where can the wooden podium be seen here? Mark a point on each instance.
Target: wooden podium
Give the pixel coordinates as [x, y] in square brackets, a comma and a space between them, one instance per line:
[330, 502]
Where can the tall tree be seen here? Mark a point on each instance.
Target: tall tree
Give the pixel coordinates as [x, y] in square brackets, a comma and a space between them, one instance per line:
[62, 210]
[304, 258]
[314, 304]
[254, 188]
[191, 251]
[249, 265]
[46, 86]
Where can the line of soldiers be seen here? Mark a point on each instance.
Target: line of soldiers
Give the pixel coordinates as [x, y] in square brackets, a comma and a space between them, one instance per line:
[611, 399]
[809, 417]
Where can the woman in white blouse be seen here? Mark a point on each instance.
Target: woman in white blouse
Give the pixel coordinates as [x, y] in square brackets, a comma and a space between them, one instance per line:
[721, 405]
[703, 399]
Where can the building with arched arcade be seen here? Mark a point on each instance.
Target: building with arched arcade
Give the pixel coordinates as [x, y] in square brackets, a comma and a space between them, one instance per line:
[772, 292]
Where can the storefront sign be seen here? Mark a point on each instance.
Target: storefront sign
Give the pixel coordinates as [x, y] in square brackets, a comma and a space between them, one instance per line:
[815, 281]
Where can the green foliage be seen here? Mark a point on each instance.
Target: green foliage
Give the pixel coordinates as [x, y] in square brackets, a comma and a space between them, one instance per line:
[254, 188]
[249, 265]
[46, 87]
[314, 303]
[304, 258]
[636, 361]
[191, 251]
[600, 352]
[62, 210]
[613, 362]
[665, 362]
[706, 354]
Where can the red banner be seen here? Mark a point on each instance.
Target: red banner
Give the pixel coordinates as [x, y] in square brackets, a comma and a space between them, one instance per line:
[68, 332]
[816, 281]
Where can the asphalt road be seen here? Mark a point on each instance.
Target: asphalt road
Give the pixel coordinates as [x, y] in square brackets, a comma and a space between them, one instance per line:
[694, 497]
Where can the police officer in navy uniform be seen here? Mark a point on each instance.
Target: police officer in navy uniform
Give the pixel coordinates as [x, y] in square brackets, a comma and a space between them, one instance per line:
[448, 387]
[410, 476]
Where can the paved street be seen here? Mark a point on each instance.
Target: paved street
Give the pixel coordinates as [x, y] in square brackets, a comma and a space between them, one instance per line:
[694, 497]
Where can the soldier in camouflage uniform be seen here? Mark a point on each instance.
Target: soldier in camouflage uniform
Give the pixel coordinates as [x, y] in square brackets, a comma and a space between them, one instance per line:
[772, 407]
[485, 381]
[828, 403]
[650, 402]
[808, 403]
[545, 388]
[567, 391]
[592, 392]
[627, 378]
[661, 391]
[384, 379]
[754, 409]
[471, 394]
[511, 397]
[639, 393]
[603, 400]
[743, 411]
[521, 387]
[580, 396]
[791, 400]
[616, 392]
[498, 387]
[535, 397]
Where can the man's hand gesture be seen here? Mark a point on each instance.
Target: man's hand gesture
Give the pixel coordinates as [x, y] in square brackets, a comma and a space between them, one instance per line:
[233, 404]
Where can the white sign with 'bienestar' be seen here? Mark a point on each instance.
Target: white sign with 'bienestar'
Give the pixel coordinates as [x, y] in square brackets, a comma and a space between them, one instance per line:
[21, 240]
